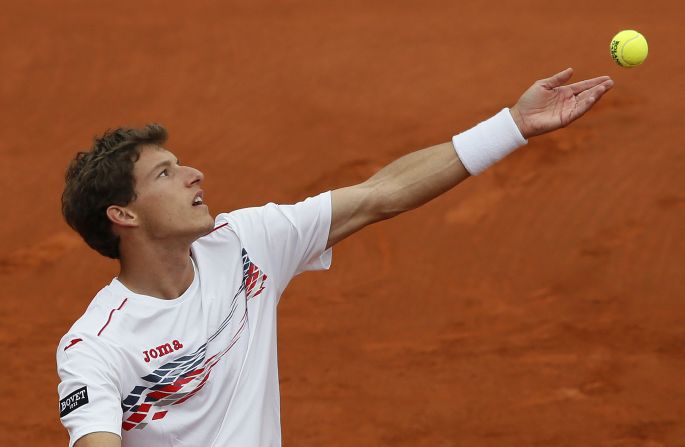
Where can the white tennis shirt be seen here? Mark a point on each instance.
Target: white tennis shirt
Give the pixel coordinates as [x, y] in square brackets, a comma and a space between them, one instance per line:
[201, 369]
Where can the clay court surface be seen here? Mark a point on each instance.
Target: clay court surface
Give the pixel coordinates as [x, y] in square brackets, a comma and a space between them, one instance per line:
[540, 304]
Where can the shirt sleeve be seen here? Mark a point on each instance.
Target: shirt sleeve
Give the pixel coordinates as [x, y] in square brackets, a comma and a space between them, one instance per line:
[89, 396]
[290, 239]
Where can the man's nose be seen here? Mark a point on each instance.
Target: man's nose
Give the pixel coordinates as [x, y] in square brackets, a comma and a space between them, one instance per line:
[194, 176]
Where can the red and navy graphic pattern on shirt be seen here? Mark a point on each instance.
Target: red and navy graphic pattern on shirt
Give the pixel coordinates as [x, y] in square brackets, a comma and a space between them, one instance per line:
[180, 379]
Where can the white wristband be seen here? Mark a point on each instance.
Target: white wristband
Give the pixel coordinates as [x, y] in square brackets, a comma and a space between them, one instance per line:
[487, 143]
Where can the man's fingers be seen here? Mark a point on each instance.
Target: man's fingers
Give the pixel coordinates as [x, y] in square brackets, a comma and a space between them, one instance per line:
[595, 92]
[588, 98]
[582, 86]
[558, 79]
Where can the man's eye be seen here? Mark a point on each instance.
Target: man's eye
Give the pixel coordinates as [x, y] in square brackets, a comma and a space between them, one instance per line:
[164, 173]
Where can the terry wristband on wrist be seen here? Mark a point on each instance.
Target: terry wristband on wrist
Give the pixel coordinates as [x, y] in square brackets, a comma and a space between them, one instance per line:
[487, 143]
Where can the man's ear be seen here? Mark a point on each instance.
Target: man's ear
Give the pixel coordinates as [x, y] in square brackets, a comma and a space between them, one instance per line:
[121, 215]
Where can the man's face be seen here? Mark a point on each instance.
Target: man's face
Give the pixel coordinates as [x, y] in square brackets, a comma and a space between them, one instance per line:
[169, 201]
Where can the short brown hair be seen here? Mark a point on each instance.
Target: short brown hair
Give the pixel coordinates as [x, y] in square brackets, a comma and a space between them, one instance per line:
[101, 177]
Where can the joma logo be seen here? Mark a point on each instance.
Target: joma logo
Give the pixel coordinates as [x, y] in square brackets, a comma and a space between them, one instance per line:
[162, 350]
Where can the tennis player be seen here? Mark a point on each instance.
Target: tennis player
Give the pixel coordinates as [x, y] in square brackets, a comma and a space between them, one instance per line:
[180, 348]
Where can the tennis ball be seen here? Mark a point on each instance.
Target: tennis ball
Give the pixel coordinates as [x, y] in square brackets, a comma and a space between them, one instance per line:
[628, 48]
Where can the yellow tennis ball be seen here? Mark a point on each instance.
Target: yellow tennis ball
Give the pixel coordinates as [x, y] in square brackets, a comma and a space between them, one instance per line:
[629, 48]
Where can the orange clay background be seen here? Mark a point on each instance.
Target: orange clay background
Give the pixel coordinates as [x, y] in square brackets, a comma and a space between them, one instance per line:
[540, 304]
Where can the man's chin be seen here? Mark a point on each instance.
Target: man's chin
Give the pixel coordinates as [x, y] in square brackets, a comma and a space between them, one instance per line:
[207, 227]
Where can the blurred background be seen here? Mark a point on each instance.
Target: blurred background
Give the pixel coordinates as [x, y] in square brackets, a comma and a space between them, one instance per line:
[537, 304]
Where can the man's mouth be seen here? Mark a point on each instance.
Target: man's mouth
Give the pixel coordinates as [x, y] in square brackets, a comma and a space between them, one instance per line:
[198, 199]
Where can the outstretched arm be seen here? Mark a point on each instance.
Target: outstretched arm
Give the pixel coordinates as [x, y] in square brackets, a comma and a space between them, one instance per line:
[420, 176]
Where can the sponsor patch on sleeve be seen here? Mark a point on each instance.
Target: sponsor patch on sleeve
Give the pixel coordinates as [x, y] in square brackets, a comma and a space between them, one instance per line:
[73, 401]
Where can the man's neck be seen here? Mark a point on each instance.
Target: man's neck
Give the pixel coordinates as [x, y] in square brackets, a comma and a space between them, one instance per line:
[157, 270]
